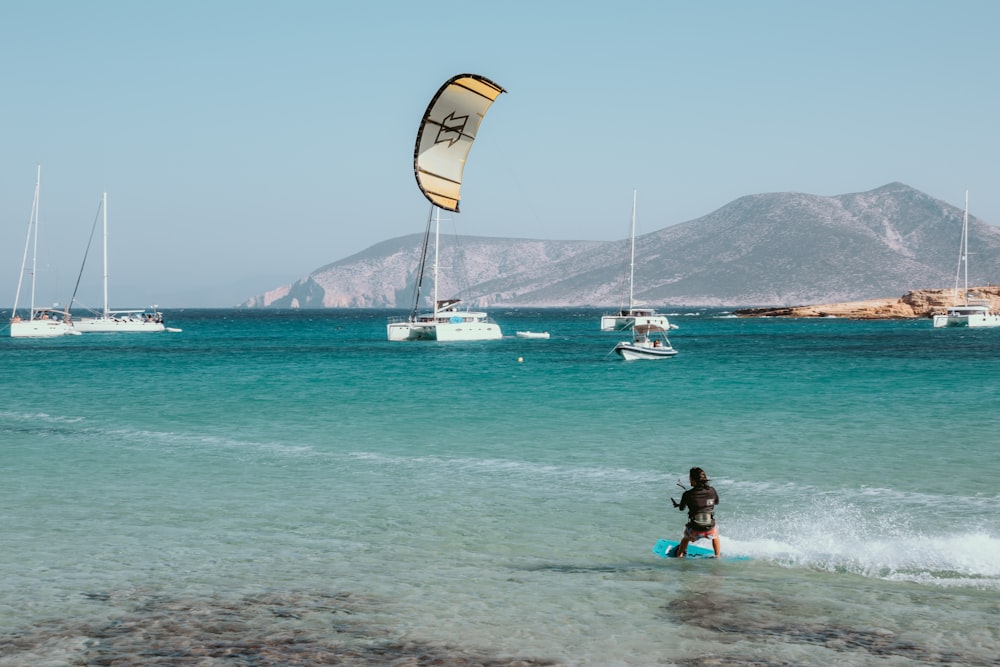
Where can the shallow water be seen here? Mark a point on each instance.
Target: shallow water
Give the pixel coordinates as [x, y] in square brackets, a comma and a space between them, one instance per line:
[273, 488]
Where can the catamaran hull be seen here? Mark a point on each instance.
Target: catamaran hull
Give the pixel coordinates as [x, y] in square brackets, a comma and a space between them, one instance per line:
[406, 331]
[988, 320]
[468, 331]
[974, 314]
[443, 331]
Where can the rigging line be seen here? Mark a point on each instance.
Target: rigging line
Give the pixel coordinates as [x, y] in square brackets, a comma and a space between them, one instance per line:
[420, 270]
[623, 298]
[460, 275]
[32, 224]
[90, 241]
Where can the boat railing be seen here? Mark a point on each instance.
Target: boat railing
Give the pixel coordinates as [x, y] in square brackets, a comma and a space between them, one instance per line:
[465, 316]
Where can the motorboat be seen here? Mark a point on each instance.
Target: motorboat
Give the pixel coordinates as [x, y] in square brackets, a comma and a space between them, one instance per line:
[648, 342]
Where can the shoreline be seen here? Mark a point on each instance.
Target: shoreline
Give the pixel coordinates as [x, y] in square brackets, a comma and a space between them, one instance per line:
[917, 304]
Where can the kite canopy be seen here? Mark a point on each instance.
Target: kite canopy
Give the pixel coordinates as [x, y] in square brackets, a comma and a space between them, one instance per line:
[446, 134]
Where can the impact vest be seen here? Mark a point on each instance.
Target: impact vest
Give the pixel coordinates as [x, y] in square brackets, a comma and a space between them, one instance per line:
[701, 510]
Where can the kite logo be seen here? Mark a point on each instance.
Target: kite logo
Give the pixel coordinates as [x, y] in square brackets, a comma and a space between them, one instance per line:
[451, 129]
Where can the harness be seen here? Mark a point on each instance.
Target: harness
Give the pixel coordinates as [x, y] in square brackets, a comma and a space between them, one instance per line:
[702, 513]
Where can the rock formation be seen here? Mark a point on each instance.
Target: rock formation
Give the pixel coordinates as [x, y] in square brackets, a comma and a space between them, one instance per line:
[918, 303]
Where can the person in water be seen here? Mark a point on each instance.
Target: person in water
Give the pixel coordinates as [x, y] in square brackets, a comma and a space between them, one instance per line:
[700, 502]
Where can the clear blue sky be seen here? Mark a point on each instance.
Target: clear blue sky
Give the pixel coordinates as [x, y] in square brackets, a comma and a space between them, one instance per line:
[244, 144]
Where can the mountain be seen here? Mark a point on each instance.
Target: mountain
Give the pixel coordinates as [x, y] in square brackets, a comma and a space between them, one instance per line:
[767, 249]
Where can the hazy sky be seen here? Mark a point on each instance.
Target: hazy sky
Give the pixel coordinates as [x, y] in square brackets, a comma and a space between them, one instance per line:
[244, 144]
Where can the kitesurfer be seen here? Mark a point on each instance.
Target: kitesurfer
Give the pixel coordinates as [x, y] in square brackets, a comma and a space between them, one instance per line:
[700, 502]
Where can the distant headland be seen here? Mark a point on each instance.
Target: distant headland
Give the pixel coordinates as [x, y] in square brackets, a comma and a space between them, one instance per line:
[915, 304]
[771, 248]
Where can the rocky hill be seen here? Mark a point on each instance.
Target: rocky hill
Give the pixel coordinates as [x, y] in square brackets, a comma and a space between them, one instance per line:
[775, 249]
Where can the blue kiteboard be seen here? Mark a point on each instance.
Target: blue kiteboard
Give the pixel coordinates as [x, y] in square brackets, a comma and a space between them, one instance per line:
[665, 549]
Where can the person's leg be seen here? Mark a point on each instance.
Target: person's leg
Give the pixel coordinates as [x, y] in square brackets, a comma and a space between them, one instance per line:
[717, 546]
[681, 550]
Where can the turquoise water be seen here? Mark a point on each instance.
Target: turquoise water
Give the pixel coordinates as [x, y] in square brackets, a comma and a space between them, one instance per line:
[277, 488]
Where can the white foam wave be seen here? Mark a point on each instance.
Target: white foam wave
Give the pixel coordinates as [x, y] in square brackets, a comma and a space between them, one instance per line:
[949, 560]
[206, 441]
[83, 428]
[530, 471]
[893, 497]
[43, 417]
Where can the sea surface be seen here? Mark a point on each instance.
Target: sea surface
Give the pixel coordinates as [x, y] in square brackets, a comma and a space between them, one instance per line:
[289, 488]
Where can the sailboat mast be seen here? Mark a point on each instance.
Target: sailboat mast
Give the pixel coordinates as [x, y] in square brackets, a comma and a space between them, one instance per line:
[104, 208]
[27, 244]
[965, 247]
[631, 270]
[437, 244]
[34, 250]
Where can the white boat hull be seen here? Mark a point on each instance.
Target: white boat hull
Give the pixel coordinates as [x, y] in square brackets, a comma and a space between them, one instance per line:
[956, 317]
[41, 329]
[443, 331]
[112, 325]
[643, 350]
[399, 331]
[532, 334]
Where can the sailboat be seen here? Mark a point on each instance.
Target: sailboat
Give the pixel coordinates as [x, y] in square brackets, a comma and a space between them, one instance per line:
[632, 315]
[970, 312]
[444, 139]
[132, 321]
[41, 322]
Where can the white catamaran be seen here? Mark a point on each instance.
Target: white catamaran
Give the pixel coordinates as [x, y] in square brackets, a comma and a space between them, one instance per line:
[131, 321]
[628, 317]
[970, 312]
[444, 139]
[40, 322]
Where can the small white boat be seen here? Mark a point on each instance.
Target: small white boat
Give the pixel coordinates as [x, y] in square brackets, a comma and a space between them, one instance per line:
[107, 321]
[648, 342]
[971, 312]
[532, 334]
[40, 322]
[634, 315]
